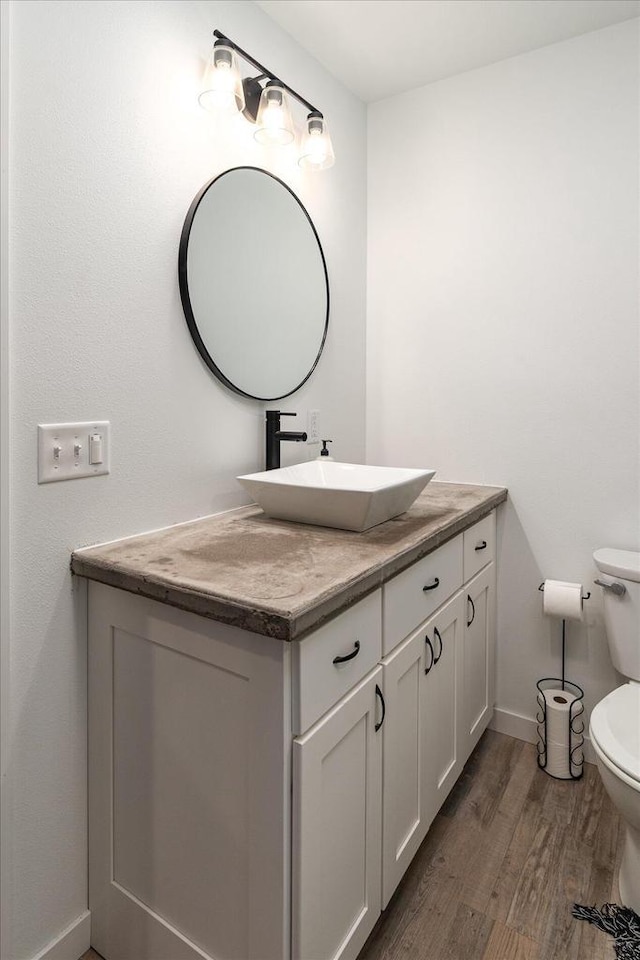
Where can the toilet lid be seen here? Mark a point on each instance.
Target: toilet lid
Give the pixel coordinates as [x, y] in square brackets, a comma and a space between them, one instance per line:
[618, 563]
[615, 727]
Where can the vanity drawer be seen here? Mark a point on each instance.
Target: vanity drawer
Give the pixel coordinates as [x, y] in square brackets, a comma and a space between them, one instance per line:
[479, 545]
[331, 660]
[415, 593]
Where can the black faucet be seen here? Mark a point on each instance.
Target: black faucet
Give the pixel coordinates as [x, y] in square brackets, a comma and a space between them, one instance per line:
[275, 435]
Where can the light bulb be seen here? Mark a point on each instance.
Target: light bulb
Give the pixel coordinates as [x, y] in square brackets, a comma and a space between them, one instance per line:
[222, 87]
[316, 152]
[274, 117]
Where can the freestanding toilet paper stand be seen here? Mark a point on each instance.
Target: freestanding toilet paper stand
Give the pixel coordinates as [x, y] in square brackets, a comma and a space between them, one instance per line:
[575, 730]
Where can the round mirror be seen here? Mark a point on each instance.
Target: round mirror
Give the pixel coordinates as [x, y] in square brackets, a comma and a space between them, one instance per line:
[254, 285]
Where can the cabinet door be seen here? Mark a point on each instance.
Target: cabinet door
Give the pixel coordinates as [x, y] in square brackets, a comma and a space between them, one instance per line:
[403, 824]
[337, 827]
[422, 757]
[441, 706]
[479, 653]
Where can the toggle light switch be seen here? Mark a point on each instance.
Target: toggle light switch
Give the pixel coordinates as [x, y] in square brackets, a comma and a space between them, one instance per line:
[70, 450]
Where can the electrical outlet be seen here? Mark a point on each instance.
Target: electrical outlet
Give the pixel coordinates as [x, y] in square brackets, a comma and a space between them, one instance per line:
[70, 450]
[313, 426]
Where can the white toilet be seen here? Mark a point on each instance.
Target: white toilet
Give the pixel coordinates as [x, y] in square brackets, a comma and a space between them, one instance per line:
[615, 721]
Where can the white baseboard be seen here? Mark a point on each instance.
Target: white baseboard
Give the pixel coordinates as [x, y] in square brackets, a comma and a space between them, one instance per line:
[525, 728]
[71, 943]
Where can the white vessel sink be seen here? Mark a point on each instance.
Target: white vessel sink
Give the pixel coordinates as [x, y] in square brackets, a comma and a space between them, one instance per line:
[348, 496]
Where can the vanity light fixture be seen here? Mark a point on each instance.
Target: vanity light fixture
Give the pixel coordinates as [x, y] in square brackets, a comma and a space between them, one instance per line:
[274, 123]
[266, 106]
[222, 90]
[316, 151]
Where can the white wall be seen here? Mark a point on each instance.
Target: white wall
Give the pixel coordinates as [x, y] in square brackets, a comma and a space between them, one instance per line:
[108, 149]
[503, 319]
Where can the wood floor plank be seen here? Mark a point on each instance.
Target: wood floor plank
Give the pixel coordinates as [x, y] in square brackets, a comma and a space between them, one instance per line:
[485, 857]
[561, 935]
[593, 943]
[497, 759]
[507, 944]
[607, 850]
[424, 924]
[615, 889]
[476, 762]
[431, 928]
[530, 905]
[560, 801]
[591, 796]
[469, 934]
[488, 855]
[503, 893]
[410, 898]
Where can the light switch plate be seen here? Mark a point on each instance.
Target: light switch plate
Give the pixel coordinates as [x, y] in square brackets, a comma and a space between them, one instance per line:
[63, 450]
[313, 426]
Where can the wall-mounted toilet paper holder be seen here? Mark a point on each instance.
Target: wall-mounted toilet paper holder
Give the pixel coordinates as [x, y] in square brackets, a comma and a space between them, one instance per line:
[541, 589]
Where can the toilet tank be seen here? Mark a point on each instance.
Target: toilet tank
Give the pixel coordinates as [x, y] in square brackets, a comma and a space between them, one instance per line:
[622, 613]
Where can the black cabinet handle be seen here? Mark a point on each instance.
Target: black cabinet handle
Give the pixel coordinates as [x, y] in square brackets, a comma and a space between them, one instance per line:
[473, 610]
[384, 709]
[431, 586]
[349, 656]
[482, 545]
[432, 660]
[436, 636]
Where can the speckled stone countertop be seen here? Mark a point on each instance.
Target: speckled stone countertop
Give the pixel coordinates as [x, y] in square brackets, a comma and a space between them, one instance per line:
[278, 578]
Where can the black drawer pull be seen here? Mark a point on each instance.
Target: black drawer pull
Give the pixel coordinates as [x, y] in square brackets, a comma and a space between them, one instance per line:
[349, 656]
[473, 610]
[436, 636]
[431, 586]
[482, 545]
[384, 709]
[432, 660]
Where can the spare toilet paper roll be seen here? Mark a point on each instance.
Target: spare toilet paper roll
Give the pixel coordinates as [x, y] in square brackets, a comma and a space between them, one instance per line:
[557, 708]
[558, 762]
[561, 599]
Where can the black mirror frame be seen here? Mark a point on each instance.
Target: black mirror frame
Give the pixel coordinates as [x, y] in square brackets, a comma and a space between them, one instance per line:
[184, 286]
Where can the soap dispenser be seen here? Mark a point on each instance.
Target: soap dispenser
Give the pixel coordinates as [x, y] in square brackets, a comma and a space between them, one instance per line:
[324, 453]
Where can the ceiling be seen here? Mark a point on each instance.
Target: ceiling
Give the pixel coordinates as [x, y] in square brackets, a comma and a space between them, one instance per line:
[379, 48]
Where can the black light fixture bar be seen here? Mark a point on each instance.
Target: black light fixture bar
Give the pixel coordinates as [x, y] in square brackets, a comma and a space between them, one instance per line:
[264, 73]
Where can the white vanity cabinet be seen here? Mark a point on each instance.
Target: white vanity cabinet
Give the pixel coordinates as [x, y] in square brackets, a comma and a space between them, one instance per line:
[253, 799]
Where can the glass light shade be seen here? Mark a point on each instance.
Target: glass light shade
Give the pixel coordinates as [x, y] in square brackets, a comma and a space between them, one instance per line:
[222, 86]
[274, 123]
[316, 150]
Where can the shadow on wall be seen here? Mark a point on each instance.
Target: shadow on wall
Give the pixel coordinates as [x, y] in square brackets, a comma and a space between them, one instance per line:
[51, 775]
[529, 644]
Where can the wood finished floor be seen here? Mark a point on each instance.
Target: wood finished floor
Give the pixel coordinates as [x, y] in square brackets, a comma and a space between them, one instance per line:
[505, 859]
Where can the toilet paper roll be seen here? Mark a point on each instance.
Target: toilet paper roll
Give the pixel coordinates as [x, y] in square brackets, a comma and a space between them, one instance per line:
[557, 708]
[558, 764]
[561, 599]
